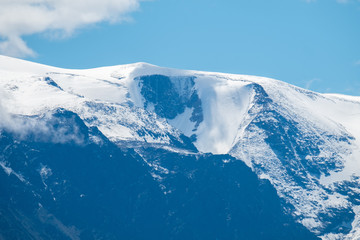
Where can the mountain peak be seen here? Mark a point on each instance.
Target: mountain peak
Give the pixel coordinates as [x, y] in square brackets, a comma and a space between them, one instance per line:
[306, 143]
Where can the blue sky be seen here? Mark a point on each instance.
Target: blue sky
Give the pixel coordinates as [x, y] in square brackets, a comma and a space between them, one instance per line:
[311, 44]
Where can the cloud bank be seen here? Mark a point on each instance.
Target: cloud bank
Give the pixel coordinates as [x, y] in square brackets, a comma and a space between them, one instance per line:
[5, 117]
[44, 128]
[25, 17]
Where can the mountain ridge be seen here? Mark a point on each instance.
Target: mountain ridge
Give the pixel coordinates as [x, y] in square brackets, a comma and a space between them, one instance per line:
[305, 143]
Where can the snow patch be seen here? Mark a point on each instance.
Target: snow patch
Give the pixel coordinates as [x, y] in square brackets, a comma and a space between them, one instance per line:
[9, 171]
[225, 104]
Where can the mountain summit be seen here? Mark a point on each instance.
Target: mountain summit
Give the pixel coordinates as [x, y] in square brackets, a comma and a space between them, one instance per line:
[177, 140]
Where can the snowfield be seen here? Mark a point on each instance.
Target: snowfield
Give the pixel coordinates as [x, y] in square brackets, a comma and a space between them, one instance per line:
[305, 143]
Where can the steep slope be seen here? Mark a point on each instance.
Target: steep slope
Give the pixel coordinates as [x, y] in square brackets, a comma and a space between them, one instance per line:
[80, 185]
[305, 143]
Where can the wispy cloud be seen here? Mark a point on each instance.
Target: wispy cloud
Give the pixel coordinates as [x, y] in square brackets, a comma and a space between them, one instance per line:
[309, 83]
[19, 18]
[40, 128]
[5, 118]
[357, 63]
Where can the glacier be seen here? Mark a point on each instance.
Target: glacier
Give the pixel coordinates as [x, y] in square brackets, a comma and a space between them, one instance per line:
[306, 144]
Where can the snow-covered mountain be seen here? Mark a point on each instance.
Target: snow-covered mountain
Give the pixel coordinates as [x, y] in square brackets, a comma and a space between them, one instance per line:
[305, 143]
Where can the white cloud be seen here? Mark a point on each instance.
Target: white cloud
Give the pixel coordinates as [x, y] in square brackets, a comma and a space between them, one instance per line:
[41, 128]
[25, 17]
[5, 118]
[16, 47]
